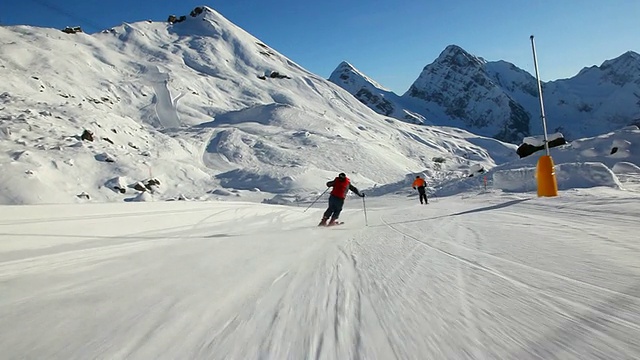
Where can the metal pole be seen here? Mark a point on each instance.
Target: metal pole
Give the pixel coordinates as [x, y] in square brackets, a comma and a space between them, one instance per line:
[364, 208]
[314, 201]
[544, 120]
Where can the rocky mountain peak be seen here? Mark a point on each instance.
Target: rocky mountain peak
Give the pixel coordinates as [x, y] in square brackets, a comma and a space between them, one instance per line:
[454, 55]
[623, 69]
[498, 99]
[344, 65]
[347, 76]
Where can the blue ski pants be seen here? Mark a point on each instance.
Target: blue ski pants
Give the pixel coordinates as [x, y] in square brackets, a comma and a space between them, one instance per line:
[335, 207]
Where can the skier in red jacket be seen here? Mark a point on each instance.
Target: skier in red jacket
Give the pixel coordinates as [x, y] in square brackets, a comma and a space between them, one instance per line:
[341, 185]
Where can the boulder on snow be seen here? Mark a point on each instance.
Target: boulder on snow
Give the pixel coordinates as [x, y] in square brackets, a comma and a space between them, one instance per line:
[173, 19]
[277, 75]
[87, 135]
[117, 184]
[20, 155]
[140, 186]
[105, 157]
[147, 185]
[72, 30]
[151, 183]
[197, 11]
[84, 195]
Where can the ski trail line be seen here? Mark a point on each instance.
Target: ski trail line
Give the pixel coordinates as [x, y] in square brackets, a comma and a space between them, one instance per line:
[521, 284]
[470, 319]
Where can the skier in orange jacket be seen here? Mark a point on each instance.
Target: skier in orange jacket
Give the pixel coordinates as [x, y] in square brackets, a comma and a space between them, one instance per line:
[421, 185]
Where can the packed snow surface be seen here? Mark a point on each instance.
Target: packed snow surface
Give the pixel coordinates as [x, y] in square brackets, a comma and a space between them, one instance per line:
[485, 275]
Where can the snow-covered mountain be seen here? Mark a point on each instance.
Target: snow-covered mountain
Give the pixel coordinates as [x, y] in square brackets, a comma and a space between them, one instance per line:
[597, 99]
[498, 99]
[374, 95]
[194, 108]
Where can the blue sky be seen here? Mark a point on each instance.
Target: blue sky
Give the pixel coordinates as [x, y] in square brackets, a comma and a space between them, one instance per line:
[392, 40]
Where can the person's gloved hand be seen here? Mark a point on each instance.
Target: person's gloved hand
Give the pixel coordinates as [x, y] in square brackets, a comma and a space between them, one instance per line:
[361, 194]
[414, 188]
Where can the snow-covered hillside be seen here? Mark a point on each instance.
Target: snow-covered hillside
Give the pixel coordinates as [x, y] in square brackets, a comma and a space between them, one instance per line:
[498, 99]
[198, 105]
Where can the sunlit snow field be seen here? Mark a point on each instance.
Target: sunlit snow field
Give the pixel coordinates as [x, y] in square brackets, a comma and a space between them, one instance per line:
[481, 275]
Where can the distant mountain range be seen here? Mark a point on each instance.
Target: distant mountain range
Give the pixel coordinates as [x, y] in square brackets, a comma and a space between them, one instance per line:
[498, 99]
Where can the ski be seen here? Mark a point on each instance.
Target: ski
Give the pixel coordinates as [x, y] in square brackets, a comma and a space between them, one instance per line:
[334, 224]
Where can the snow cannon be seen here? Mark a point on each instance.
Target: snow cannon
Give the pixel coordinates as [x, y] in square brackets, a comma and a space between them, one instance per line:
[546, 177]
[545, 173]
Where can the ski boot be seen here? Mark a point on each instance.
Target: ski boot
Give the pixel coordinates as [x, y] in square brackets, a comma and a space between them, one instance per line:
[323, 222]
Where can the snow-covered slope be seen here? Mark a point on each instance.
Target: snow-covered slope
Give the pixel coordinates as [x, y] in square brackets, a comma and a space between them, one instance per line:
[498, 276]
[609, 160]
[498, 99]
[196, 105]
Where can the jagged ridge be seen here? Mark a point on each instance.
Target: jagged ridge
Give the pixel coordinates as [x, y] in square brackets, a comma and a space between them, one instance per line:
[498, 99]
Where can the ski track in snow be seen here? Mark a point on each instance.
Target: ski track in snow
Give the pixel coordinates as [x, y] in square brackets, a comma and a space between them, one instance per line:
[479, 278]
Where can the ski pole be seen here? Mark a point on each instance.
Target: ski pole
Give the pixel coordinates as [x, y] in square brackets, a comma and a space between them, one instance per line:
[364, 208]
[314, 201]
